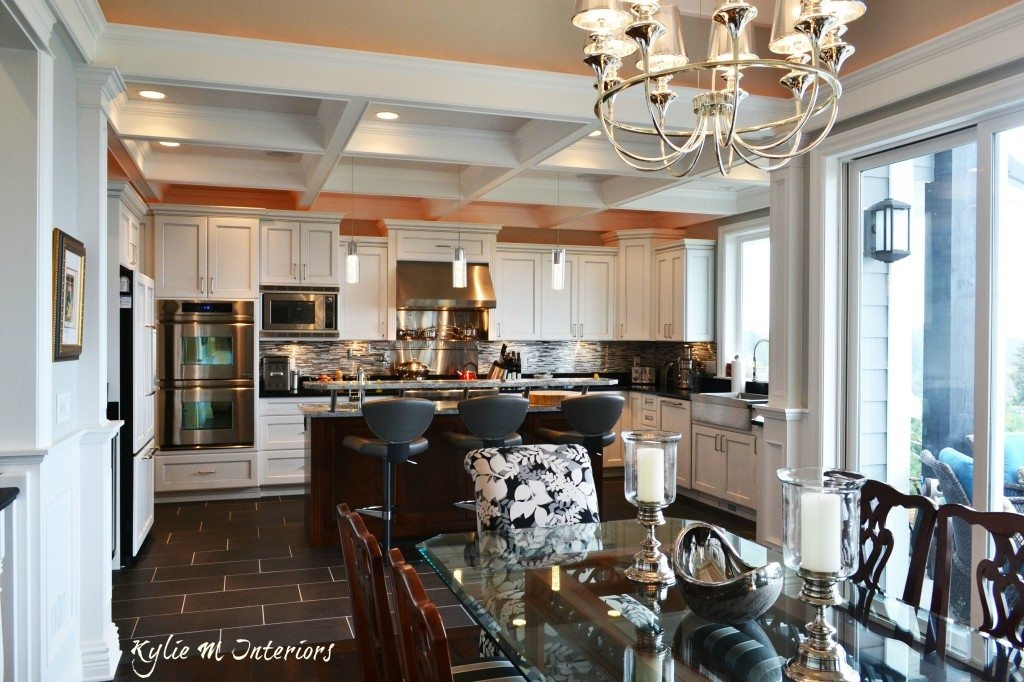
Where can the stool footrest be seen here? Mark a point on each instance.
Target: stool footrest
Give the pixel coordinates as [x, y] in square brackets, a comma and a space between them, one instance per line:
[376, 511]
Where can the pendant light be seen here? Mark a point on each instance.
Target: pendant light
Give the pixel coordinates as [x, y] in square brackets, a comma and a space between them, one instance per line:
[558, 254]
[459, 262]
[352, 254]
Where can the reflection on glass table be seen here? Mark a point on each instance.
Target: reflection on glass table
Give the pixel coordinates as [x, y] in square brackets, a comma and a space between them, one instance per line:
[557, 604]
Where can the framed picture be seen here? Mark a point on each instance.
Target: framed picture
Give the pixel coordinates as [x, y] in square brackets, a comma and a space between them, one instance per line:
[68, 295]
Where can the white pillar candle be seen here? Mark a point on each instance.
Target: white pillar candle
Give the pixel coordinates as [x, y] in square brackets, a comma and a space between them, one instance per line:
[650, 475]
[820, 533]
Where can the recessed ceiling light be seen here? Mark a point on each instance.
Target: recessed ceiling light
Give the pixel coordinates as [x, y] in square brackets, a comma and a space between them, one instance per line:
[152, 94]
[386, 115]
[165, 143]
[596, 133]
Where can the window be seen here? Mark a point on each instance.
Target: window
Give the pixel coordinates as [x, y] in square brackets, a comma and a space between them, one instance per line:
[745, 296]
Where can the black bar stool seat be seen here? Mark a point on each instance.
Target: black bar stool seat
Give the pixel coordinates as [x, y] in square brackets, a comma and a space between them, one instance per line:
[399, 424]
[592, 418]
[492, 421]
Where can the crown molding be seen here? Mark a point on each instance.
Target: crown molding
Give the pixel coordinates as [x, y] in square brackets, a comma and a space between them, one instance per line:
[35, 19]
[982, 45]
[84, 22]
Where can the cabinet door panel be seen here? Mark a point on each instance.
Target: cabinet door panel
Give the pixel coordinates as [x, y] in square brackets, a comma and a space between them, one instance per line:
[740, 468]
[557, 323]
[320, 260]
[675, 417]
[595, 297]
[634, 309]
[181, 257]
[519, 305]
[279, 252]
[364, 304]
[699, 308]
[708, 462]
[233, 268]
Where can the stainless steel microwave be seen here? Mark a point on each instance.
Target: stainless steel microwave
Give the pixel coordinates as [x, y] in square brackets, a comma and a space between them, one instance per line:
[299, 312]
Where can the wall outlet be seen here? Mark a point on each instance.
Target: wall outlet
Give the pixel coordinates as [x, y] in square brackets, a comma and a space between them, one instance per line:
[63, 407]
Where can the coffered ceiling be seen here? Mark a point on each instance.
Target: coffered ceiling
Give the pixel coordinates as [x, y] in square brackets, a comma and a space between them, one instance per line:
[276, 104]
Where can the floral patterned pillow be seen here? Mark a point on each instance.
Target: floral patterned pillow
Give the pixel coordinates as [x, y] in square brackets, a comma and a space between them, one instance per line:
[529, 486]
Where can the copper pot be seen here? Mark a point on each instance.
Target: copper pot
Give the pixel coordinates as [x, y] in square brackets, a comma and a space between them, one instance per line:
[412, 369]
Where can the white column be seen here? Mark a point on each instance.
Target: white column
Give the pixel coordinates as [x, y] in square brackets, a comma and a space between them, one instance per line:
[97, 89]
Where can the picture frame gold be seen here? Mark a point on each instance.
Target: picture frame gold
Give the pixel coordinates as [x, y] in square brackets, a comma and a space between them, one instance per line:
[68, 296]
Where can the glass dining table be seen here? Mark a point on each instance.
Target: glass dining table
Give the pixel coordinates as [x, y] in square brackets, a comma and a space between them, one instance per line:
[556, 602]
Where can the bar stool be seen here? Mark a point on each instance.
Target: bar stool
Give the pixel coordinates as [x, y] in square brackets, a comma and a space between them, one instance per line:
[399, 424]
[592, 418]
[492, 421]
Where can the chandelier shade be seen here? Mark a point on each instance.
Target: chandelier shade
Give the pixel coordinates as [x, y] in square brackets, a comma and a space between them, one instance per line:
[806, 34]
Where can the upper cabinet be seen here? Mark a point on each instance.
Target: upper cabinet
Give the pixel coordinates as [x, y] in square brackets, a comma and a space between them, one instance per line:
[517, 275]
[364, 305]
[685, 290]
[206, 256]
[585, 308]
[127, 211]
[293, 252]
[634, 294]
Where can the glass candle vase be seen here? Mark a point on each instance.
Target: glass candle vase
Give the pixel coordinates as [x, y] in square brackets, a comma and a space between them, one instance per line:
[821, 520]
[650, 467]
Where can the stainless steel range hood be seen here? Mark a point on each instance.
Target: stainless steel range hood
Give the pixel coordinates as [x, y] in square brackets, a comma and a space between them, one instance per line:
[423, 285]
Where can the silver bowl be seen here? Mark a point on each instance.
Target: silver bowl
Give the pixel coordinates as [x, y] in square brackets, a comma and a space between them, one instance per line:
[716, 583]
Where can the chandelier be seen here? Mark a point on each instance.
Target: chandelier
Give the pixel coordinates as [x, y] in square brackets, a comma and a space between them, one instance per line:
[807, 36]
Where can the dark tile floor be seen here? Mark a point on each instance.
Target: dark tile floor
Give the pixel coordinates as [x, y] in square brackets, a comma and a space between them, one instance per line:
[242, 573]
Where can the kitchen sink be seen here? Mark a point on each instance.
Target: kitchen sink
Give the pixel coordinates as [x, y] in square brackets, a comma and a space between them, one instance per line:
[728, 410]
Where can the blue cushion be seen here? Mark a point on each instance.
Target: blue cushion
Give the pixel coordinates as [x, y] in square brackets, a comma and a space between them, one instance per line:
[1013, 456]
[962, 466]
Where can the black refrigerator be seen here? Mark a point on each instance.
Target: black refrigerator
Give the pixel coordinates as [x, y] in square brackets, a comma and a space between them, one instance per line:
[137, 398]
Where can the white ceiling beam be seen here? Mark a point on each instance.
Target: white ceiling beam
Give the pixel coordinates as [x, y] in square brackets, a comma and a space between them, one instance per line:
[433, 143]
[130, 159]
[339, 121]
[217, 127]
[205, 169]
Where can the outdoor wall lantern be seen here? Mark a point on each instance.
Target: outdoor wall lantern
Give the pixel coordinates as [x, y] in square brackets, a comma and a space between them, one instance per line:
[889, 221]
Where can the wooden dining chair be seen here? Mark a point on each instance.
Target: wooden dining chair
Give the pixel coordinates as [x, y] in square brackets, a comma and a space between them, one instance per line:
[371, 612]
[877, 500]
[423, 639]
[998, 578]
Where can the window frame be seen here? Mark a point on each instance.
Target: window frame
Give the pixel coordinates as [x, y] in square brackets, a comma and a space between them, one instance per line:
[730, 241]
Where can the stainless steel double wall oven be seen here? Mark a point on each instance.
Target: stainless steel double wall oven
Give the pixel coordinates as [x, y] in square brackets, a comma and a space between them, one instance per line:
[205, 365]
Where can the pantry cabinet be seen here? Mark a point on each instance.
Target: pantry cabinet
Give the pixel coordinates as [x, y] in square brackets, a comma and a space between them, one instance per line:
[294, 252]
[206, 256]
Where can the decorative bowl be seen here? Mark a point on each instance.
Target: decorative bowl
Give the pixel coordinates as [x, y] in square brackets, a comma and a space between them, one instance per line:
[716, 583]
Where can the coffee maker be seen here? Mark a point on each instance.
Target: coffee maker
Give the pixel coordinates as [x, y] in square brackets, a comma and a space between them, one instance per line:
[690, 370]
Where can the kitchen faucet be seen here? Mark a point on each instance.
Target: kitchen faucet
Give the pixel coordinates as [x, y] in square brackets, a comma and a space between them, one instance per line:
[753, 370]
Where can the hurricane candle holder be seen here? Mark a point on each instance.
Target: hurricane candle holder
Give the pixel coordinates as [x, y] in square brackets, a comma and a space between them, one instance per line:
[650, 471]
[821, 542]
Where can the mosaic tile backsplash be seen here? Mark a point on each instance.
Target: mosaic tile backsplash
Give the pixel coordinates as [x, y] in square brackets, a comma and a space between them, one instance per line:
[564, 357]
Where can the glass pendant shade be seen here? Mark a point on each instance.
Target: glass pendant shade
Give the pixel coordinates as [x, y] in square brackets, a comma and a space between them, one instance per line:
[558, 269]
[352, 264]
[459, 268]
[601, 16]
[668, 51]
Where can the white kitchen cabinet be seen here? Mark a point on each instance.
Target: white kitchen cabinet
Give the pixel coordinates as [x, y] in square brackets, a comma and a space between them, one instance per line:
[281, 439]
[585, 308]
[144, 360]
[674, 416]
[634, 292]
[201, 256]
[176, 472]
[725, 464]
[684, 305]
[636, 407]
[126, 209]
[294, 252]
[517, 285]
[647, 417]
[364, 304]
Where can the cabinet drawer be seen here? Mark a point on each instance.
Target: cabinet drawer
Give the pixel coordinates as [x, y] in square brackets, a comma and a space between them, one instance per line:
[288, 406]
[198, 472]
[285, 467]
[649, 419]
[440, 246]
[650, 402]
[285, 432]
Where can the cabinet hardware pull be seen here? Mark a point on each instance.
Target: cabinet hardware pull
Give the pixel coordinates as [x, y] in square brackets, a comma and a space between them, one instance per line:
[499, 330]
[202, 283]
[622, 330]
[134, 249]
[581, 330]
[302, 466]
[206, 471]
[572, 331]
[150, 326]
[151, 393]
[293, 270]
[305, 270]
[211, 285]
[443, 246]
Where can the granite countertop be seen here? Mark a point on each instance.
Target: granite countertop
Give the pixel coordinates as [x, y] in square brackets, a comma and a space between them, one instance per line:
[443, 384]
[319, 411]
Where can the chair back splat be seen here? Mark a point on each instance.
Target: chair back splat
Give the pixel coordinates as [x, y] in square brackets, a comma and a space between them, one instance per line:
[877, 500]
[364, 568]
[492, 420]
[999, 578]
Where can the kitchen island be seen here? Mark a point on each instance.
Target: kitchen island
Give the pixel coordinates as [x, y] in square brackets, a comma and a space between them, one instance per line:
[425, 492]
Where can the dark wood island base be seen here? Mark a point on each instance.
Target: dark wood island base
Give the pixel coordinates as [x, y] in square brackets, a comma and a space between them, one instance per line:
[425, 492]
